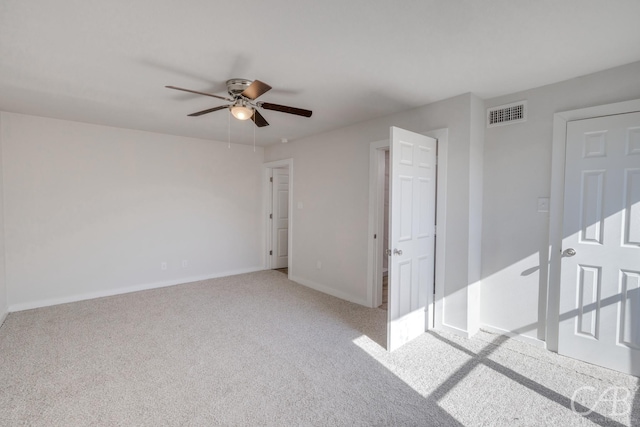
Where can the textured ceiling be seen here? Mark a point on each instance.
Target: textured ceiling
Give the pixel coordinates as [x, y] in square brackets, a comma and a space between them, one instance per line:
[107, 62]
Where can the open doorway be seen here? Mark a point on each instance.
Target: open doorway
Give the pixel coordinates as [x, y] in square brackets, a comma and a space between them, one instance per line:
[385, 231]
[383, 181]
[379, 204]
[278, 198]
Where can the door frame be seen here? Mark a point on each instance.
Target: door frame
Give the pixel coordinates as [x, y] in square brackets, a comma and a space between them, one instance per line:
[375, 250]
[274, 216]
[267, 201]
[551, 316]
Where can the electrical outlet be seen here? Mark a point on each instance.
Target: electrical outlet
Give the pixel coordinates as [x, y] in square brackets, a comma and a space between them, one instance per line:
[163, 265]
[543, 204]
[185, 263]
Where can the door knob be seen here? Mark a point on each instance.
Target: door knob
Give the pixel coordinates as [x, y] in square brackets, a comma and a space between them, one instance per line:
[569, 252]
[397, 252]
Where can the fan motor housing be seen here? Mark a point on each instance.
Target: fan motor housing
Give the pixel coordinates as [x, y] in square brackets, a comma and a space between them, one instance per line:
[236, 86]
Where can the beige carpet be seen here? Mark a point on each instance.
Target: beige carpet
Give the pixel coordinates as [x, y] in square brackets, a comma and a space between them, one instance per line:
[257, 349]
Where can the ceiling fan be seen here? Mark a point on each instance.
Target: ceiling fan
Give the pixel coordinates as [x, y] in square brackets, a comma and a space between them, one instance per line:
[242, 96]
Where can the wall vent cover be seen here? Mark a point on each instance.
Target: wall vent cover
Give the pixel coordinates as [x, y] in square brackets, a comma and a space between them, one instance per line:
[507, 114]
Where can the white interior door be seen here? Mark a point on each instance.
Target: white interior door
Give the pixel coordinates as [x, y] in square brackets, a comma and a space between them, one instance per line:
[600, 278]
[280, 218]
[412, 220]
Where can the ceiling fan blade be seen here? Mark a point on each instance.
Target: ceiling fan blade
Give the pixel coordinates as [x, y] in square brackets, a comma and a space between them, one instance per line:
[256, 89]
[258, 119]
[210, 110]
[285, 109]
[199, 93]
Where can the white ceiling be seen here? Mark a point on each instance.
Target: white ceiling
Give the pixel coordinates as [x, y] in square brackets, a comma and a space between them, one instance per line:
[107, 62]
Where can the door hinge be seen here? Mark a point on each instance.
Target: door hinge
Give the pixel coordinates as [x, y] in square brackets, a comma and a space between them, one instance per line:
[435, 230]
[270, 252]
[270, 179]
[270, 216]
[375, 236]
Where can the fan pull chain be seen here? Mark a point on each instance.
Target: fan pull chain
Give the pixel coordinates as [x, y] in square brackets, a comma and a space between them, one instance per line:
[254, 137]
[229, 126]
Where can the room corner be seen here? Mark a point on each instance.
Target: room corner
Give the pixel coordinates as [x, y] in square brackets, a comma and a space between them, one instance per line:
[3, 280]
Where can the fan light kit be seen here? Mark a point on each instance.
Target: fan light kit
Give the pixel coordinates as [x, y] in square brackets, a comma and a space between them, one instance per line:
[241, 112]
[243, 94]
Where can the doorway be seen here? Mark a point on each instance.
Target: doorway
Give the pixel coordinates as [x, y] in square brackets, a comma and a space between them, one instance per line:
[382, 273]
[279, 217]
[602, 200]
[278, 196]
[595, 275]
[411, 277]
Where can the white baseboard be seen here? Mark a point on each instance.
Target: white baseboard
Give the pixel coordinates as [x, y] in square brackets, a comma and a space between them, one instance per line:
[454, 330]
[529, 340]
[125, 290]
[330, 291]
[3, 317]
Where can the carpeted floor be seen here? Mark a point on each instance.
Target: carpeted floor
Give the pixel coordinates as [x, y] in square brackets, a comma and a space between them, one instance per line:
[258, 349]
[282, 270]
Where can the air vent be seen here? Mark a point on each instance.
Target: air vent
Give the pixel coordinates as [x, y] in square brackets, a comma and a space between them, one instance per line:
[507, 114]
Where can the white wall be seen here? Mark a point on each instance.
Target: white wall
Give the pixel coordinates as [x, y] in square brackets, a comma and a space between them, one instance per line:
[476, 159]
[517, 161]
[331, 180]
[3, 282]
[92, 210]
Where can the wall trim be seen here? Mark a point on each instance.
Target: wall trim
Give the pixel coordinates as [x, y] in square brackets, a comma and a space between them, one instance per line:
[453, 330]
[3, 317]
[127, 289]
[556, 209]
[329, 291]
[523, 338]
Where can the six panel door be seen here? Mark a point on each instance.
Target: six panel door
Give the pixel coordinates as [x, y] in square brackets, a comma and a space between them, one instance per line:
[600, 285]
